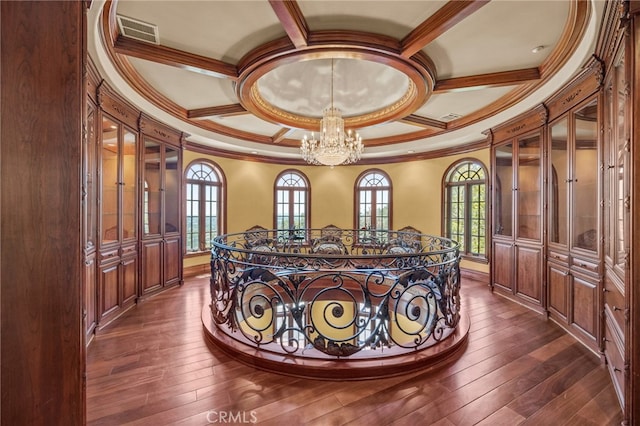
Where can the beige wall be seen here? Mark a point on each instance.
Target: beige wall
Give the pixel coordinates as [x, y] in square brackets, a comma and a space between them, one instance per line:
[416, 186]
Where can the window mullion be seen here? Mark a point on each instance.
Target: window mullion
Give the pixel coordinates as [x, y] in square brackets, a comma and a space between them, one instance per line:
[202, 221]
[468, 199]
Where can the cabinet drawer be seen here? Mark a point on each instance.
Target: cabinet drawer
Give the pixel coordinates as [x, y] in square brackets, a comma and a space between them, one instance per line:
[128, 251]
[558, 256]
[614, 304]
[108, 256]
[615, 359]
[589, 266]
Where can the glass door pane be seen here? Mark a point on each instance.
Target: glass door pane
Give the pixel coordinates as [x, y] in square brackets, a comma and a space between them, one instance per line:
[585, 178]
[91, 167]
[171, 182]
[622, 152]
[503, 211]
[558, 184]
[109, 180]
[528, 189]
[152, 185]
[129, 185]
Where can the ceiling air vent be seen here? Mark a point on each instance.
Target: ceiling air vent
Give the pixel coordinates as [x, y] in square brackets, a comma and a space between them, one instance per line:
[138, 30]
[451, 116]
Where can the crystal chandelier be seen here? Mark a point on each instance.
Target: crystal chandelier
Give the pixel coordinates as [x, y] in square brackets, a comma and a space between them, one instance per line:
[334, 146]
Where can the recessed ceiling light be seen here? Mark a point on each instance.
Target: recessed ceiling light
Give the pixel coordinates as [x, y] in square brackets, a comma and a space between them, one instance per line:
[537, 49]
[410, 151]
[254, 152]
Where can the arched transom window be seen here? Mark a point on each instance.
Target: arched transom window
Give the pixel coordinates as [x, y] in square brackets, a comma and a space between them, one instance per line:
[204, 206]
[465, 207]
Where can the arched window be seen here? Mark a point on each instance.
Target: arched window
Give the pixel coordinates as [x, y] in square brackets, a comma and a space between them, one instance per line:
[204, 209]
[373, 202]
[292, 201]
[465, 206]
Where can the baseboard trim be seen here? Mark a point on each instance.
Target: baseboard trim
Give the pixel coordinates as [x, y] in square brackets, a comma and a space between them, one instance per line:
[195, 270]
[479, 276]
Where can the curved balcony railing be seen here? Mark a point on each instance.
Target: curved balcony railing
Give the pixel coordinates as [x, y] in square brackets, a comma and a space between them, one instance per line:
[335, 293]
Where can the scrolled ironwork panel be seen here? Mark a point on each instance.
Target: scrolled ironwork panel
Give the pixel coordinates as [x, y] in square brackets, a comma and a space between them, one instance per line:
[334, 295]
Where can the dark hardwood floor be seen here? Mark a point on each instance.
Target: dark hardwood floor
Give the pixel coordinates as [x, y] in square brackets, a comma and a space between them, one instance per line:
[153, 367]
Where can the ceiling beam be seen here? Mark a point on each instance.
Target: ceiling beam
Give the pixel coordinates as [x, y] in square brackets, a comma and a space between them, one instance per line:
[292, 20]
[417, 120]
[281, 134]
[222, 110]
[175, 58]
[504, 78]
[437, 24]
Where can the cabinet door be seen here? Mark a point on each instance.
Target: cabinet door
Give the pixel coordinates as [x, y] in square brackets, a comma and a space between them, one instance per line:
[559, 183]
[558, 283]
[109, 155]
[109, 289]
[503, 264]
[584, 180]
[622, 171]
[529, 272]
[503, 191]
[529, 188]
[152, 178]
[128, 183]
[584, 303]
[90, 169]
[171, 191]
[129, 266]
[151, 266]
[172, 259]
[90, 302]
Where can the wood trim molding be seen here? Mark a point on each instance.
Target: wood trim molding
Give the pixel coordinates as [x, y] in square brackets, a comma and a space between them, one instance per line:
[174, 57]
[479, 276]
[195, 270]
[323, 43]
[110, 102]
[581, 87]
[524, 123]
[496, 79]
[292, 20]
[217, 111]
[437, 24]
[157, 130]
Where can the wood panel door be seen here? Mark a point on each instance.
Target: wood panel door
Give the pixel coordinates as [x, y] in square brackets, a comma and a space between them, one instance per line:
[503, 264]
[172, 261]
[558, 287]
[151, 266]
[129, 266]
[90, 299]
[529, 272]
[109, 295]
[585, 302]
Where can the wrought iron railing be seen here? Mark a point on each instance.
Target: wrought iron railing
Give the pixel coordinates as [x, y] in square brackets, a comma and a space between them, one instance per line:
[333, 292]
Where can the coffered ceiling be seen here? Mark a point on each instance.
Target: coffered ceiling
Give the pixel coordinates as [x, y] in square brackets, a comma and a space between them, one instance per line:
[414, 78]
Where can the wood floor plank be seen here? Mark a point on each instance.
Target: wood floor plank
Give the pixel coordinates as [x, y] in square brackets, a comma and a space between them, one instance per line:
[153, 366]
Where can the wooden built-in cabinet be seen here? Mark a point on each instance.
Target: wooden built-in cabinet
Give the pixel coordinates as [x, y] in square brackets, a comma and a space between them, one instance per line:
[161, 211]
[117, 208]
[89, 207]
[518, 222]
[132, 180]
[574, 234]
[617, 208]
[587, 246]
